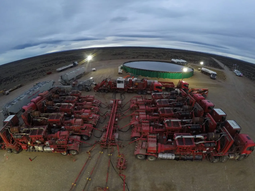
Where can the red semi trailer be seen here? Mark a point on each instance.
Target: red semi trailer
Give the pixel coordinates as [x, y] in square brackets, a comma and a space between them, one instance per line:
[16, 138]
[221, 145]
[132, 85]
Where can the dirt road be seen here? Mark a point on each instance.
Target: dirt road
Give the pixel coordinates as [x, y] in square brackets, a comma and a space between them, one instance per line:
[50, 171]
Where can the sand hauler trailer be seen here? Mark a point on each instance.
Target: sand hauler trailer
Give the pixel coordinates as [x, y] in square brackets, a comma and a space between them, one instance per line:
[211, 73]
[69, 77]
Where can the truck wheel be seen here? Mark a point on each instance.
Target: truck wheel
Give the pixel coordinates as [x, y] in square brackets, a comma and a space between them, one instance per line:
[87, 89]
[85, 137]
[9, 151]
[241, 157]
[213, 159]
[134, 138]
[73, 152]
[140, 157]
[151, 158]
[80, 88]
[106, 91]
[15, 151]
[223, 158]
[64, 153]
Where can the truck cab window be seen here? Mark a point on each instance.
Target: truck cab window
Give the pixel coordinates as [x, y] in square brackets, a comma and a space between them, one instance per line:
[250, 149]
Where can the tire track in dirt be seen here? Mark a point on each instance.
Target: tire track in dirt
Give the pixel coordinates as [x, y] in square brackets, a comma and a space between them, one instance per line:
[238, 85]
[236, 92]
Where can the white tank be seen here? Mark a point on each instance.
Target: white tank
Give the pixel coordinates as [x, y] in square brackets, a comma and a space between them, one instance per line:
[73, 74]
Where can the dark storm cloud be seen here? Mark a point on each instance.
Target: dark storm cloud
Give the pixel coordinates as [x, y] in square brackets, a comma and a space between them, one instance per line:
[139, 36]
[85, 39]
[23, 46]
[29, 28]
[119, 19]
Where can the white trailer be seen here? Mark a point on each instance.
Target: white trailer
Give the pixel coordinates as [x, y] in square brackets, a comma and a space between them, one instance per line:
[211, 73]
[69, 77]
[75, 63]
[120, 69]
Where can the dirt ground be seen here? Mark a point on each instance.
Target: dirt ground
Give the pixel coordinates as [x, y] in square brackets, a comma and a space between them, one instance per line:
[49, 171]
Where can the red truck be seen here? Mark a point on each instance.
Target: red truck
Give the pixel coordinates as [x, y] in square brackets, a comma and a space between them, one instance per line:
[16, 138]
[169, 86]
[132, 85]
[226, 143]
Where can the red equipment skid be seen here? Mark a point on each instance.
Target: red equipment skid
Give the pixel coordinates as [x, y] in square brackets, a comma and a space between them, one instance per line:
[203, 91]
[140, 86]
[167, 86]
[183, 85]
[214, 146]
[87, 116]
[18, 138]
[89, 98]
[219, 116]
[166, 129]
[168, 103]
[66, 108]
[37, 118]
[92, 108]
[109, 138]
[140, 100]
[77, 127]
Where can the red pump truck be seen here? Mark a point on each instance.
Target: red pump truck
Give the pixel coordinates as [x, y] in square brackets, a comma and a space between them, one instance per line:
[140, 86]
[221, 145]
[16, 138]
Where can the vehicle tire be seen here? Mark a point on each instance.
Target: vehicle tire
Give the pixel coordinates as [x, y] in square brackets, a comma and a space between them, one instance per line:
[246, 156]
[9, 151]
[144, 92]
[73, 152]
[133, 138]
[140, 157]
[241, 157]
[15, 151]
[87, 89]
[223, 158]
[85, 137]
[80, 88]
[64, 153]
[139, 92]
[151, 158]
[214, 159]
[106, 91]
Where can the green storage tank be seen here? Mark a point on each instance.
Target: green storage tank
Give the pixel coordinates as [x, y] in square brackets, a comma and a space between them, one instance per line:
[158, 69]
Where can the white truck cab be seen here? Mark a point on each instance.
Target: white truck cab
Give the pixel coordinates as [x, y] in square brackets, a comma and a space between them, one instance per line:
[120, 82]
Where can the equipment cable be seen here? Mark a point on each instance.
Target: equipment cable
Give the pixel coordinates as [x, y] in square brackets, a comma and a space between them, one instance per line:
[119, 175]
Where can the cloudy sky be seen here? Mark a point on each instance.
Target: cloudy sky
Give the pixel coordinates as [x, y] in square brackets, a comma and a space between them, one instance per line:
[30, 28]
